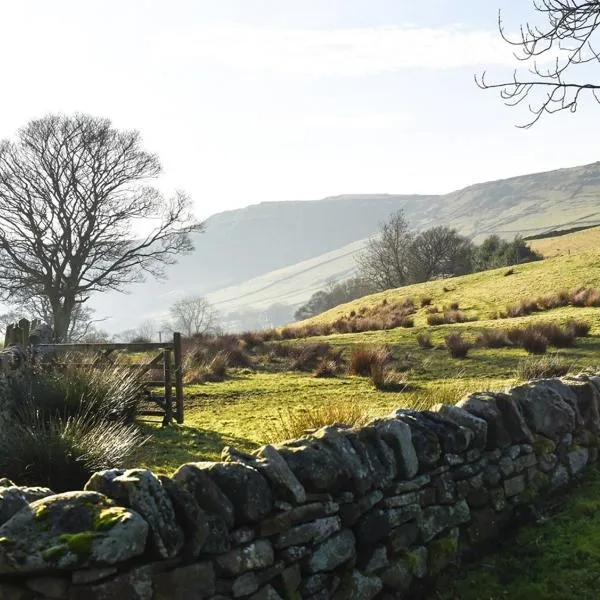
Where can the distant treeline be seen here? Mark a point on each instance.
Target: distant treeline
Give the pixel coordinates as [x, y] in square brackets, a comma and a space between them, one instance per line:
[399, 257]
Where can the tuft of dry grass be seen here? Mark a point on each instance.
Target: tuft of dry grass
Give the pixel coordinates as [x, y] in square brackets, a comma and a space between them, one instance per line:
[386, 380]
[364, 358]
[457, 346]
[293, 424]
[424, 340]
[541, 367]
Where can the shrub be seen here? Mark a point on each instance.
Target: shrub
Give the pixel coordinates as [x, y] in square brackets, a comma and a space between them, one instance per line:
[296, 423]
[578, 328]
[457, 346]
[533, 341]
[288, 333]
[545, 366]
[493, 338]
[306, 357]
[362, 359]
[424, 340]
[521, 309]
[454, 306]
[561, 337]
[435, 319]
[509, 272]
[212, 370]
[432, 309]
[387, 380]
[62, 453]
[326, 367]
[426, 301]
[252, 339]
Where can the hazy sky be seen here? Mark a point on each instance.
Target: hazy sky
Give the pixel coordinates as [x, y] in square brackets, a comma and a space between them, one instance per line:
[252, 100]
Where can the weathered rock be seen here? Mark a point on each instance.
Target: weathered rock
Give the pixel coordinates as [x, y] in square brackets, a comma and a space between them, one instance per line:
[134, 585]
[217, 541]
[454, 439]
[273, 467]
[437, 519]
[356, 586]
[70, 531]
[587, 400]
[35, 493]
[425, 441]
[483, 406]
[140, 490]
[266, 593]
[375, 454]
[189, 515]
[459, 416]
[285, 520]
[245, 487]
[577, 461]
[195, 582]
[92, 575]
[397, 435]
[545, 411]
[316, 467]
[192, 478]
[513, 418]
[560, 478]
[375, 525]
[12, 500]
[332, 553]
[254, 556]
[9, 591]
[309, 533]
[398, 575]
[50, 587]
[418, 561]
[373, 560]
[359, 474]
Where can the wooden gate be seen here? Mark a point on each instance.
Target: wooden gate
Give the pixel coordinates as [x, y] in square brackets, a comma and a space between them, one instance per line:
[164, 370]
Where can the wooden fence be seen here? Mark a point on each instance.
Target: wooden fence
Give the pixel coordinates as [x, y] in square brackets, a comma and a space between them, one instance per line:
[168, 361]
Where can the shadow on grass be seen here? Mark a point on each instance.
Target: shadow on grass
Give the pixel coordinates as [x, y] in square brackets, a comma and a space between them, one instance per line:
[169, 447]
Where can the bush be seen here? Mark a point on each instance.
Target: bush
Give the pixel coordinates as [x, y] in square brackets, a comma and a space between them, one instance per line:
[454, 306]
[426, 301]
[533, 341]
[424, 340]
[436, 319]
[542, 367]
[296, 423]
[578, 328]
[387, 380]
[493, 338]
[326, 367]
[363, 358]
[457, 346]
[62, 453]
[560, 337]
[432, 309]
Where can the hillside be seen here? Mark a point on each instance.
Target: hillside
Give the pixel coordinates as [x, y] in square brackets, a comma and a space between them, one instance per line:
[241, 255]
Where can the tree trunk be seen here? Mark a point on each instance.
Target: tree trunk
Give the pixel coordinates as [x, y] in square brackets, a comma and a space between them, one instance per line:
[61, 316]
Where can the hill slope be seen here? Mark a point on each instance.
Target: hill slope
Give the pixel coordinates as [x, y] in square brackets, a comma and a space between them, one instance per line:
[242, 245]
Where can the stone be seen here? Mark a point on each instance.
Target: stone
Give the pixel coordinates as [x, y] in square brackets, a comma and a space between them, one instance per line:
[404, 537]
[314, 465]
[547, 462]
[454, 438]
[425, 441]
[140, 490]
[398, 575]
[300, 514]
[427, 496]
[50, 587]
[8, 591]
[361, 476]
[193, 479]
[375, 454]
[190, 517]
[483, 406]
[273, 467]
[577, 461]
[524, 462]
[397, 435]
[332, 553]
[375, 525]
[464, 418]
[515, 485]
[243, 585]
[512, 452]
[217, 541]
[309, 533]
[246, 489]
[92, 575]
[403, 500]
[12, 500]
[314, 583]
[437, 519]
[402, 487]
[266, 593]
[289, 580]
[241, 536]
[442, 552]
[70, 531]
[445, 489]
[477, 498]
[356, 586]
[545, 411]
[294, 553]
[506, 466]
[560, 478]
[133, 585]
[375, 560]
[513, 418]
[254, 556]
[192, 582]
[418, 562]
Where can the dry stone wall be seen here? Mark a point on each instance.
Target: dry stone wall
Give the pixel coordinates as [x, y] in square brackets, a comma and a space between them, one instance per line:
[343, 514]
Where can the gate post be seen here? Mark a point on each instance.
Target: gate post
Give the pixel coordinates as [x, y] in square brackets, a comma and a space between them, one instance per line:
[168, 388]
[178, 377]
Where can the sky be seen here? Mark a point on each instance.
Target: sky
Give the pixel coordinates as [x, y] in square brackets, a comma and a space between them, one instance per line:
[247, 101]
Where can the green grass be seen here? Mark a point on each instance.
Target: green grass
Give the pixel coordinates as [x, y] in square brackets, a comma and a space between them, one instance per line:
[556, 559]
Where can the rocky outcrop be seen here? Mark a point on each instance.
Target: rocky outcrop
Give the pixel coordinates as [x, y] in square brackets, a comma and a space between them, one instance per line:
[342, 513]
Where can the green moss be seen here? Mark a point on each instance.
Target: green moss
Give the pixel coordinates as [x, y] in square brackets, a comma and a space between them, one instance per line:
[41, 512]
[537, 484]
[54, 551]
[441, 553]
[543, 445]
[5, 541]
[79, 543]
[107, 518]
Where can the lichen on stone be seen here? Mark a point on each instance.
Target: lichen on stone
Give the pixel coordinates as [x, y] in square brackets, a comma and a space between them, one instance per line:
[80, 543]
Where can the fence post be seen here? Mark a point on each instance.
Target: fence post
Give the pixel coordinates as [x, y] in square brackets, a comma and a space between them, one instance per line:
[178, 377]
[168, 388]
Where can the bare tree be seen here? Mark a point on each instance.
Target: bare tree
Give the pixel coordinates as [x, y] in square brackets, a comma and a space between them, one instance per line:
[193, 315]
[385, 263]
[74, 199]
[439, 251]
[565, 41]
